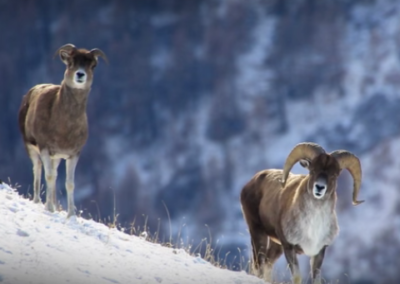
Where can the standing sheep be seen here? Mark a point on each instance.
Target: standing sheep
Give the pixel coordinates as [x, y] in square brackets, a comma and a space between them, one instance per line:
[53, 122]
[294, 214]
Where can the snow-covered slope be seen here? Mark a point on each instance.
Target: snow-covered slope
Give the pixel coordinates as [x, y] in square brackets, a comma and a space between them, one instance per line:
[41, 247]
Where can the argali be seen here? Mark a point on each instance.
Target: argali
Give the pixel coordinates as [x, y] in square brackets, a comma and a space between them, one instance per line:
[53, 122]
[293, 213]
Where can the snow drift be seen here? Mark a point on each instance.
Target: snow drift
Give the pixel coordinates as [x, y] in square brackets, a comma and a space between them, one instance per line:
[41, 247]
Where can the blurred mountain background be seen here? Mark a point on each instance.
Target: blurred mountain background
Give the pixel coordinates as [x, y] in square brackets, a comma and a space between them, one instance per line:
[200, 95]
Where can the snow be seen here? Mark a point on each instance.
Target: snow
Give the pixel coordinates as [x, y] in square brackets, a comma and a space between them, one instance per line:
[40, 247]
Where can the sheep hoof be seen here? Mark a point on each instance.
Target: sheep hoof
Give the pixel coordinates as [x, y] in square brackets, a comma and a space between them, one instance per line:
[297, 279]
[49, 207]
[71, 213]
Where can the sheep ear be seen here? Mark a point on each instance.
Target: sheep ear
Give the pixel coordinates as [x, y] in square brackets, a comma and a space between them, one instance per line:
[305, 164]
[64, 56]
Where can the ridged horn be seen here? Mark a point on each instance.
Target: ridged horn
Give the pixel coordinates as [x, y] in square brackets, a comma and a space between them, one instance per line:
[350, 162]
[306, 151]
[99, 53]
[67, 47]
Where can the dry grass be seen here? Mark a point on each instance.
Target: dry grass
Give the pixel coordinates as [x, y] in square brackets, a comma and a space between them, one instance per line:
[204, 248]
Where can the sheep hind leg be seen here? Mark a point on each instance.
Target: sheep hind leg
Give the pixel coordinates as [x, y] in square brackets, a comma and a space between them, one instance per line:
[259, 245]
[37, 171]
[274, 251]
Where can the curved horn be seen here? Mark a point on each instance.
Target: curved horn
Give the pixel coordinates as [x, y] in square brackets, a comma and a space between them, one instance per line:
[67, 47]
[306, 151]
[350, 162]
[99, 53]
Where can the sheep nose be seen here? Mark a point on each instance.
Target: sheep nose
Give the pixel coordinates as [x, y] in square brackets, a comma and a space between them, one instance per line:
[320, 187]
[80, 75]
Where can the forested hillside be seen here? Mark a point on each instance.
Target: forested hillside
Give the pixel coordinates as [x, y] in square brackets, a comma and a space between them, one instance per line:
[200, 95]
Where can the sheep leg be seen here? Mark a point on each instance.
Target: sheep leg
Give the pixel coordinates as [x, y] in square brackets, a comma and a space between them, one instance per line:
[291, 258]
[316, 263]
[37, 172]
[50, 171]
[259, 245]
[274, 251]
[70, 183]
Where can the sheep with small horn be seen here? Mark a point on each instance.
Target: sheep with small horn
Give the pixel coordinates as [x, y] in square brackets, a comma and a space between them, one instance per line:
[53, 122]
[294, 214]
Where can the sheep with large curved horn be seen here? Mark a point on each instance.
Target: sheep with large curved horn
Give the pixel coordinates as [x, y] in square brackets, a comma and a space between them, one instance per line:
[294, 214]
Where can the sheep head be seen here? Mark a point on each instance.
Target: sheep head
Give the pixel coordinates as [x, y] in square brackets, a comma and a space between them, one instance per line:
[324, 168]
[80, 65]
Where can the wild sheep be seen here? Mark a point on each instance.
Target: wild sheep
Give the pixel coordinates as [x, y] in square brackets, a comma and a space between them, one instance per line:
[293, 213]
[53, 123]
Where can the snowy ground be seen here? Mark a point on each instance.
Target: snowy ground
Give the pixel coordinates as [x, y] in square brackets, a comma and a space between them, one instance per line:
[41, 247]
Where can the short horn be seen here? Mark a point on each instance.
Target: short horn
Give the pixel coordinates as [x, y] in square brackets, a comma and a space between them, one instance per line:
[66, 47]
[350, 162]
[99, 53]
[302, 151]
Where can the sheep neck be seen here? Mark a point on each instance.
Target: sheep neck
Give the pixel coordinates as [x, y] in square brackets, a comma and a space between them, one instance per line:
[72, 101]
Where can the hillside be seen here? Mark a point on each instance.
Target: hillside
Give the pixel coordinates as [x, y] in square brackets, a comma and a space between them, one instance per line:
[200, 95]
[41, 247]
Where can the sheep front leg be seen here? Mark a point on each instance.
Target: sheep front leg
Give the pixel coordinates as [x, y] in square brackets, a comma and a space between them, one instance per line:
[274, 251]
[70, 183]
[316, 263]
[291, 258]
[50, 171]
